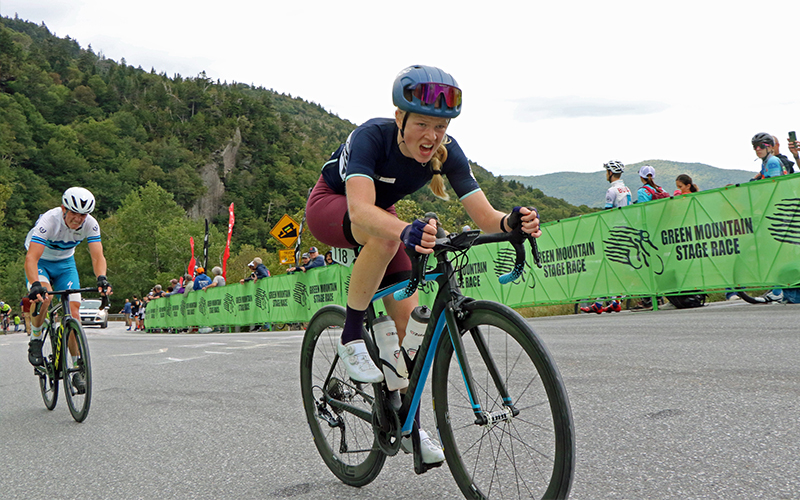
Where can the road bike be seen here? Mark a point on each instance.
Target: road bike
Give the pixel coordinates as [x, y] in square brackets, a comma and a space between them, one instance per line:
[501, 408]
[66, 356]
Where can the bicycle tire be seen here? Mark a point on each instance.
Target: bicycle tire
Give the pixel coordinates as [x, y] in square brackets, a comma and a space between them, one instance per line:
[48, 376]
[78, 401]
[345, 442]
[530, 455]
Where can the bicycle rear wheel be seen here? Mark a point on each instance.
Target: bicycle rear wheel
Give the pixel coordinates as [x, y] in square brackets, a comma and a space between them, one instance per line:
[343, 437]
[48, 374]
[77, 371]
[530, 454]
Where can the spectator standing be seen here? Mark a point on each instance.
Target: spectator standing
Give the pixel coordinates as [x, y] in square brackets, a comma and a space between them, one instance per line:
[218, 280]
[685, 185]
[25, 304]
[764, 146]
[126, 311]
[135, 305]
[649, 189]
[618, 195]
[257, 270]
[788, 165]
[201, 280]
[188, 284]
[794, 148]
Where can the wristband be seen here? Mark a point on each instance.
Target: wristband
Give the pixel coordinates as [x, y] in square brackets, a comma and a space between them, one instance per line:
[503, 223]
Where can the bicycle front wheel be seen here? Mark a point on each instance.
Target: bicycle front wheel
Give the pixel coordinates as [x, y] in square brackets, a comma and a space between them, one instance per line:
[338, 410]
[77, 370]
[526, 450]
[48, 378]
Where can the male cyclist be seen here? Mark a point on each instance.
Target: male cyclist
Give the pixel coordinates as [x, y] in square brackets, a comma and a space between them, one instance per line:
[49, 263]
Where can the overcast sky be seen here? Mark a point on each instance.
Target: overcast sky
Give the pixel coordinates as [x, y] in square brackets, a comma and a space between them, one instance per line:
[548, 86]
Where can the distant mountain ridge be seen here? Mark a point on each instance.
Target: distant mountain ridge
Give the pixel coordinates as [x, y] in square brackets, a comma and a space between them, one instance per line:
[589, 189]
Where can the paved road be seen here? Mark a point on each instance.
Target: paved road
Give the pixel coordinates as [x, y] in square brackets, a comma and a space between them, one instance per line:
[674, 404]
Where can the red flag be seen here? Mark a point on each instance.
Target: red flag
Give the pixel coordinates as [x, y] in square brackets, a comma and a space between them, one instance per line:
[192, 261]
[228, 245]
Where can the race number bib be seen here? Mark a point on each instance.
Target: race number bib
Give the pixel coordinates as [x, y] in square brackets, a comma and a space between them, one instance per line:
[343, 256]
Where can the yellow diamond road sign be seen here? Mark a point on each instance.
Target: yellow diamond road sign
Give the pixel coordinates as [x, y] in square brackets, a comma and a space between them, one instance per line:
[286, 231]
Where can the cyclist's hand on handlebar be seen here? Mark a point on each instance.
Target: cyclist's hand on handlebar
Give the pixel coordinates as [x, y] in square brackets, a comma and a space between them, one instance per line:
[420, 236]
[103, 286]
[525, 218]
[37, 292]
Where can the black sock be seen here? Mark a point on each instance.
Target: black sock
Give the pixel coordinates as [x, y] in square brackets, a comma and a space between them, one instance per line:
[353, 325]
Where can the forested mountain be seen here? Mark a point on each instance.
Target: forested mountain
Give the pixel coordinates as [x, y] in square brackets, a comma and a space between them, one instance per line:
[163, 153]
[590, 188]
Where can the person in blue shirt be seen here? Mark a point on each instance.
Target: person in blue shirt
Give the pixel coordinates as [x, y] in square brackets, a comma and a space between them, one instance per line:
[201, 280]
[314, 260]
[649, 189]
[763, 145]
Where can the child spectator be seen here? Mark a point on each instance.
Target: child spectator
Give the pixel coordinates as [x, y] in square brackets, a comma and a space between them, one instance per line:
[684, 184]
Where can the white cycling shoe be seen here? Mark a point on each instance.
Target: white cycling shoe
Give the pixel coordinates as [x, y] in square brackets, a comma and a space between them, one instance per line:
[432, 452]
[358, 364]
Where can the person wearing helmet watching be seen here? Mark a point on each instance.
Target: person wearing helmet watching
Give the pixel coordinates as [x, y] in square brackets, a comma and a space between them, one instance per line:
[618, 195]
[49, 261]
[763, 145]
[352, 204]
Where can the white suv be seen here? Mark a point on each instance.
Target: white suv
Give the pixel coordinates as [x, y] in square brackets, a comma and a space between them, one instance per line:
[91, 314]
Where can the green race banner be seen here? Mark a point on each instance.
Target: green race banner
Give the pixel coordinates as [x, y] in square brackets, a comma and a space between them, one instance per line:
[743, 236]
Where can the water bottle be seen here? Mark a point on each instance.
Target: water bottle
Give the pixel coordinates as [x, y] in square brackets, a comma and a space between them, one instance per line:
[392, 363]
[415, 331]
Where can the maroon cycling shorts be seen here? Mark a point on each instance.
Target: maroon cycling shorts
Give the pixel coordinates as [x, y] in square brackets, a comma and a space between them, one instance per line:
[329, 222]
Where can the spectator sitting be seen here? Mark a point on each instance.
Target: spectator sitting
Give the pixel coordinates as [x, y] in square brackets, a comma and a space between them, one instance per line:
[314, 260]
[303, 262]
[684, 184]
[649, 187]
[201, 280]
[218, 279]
[258, 270]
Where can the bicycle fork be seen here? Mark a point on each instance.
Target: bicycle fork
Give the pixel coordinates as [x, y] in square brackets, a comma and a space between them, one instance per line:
[481, 417]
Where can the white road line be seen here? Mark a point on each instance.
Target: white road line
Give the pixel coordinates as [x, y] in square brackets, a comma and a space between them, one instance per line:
[160, 351]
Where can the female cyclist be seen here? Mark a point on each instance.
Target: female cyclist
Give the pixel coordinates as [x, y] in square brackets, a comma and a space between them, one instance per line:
[381, 162]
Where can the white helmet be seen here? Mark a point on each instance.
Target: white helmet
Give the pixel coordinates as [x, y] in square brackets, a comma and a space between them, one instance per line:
[615, 167]
[78, 200]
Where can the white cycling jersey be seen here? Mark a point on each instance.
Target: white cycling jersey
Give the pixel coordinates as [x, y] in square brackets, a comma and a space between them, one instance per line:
[618, 195]
[59, 240]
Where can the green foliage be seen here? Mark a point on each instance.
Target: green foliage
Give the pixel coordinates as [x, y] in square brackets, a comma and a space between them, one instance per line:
[139, 141]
